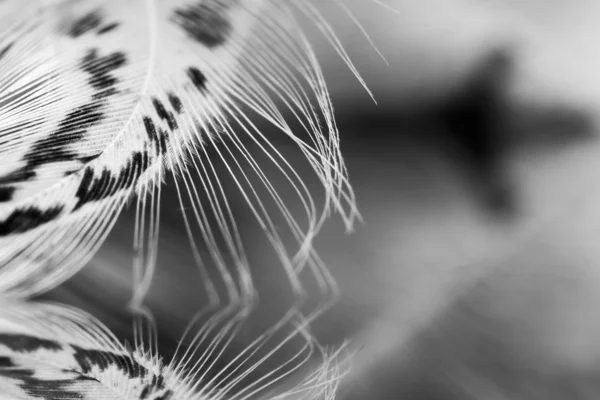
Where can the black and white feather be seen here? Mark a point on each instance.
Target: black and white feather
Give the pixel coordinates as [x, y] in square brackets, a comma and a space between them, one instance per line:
[99, 99]
[53, 352]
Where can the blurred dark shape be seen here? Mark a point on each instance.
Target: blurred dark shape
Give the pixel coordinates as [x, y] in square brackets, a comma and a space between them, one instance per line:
[550, 126]
[481, 123]
[474, 118]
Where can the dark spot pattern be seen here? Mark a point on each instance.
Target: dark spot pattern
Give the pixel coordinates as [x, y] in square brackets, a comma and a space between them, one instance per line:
[54, 147]
[92, 189]
[42, 388]
[175, 103]
[108, 28]
[6, 362]
[100, 68]
[28, 218]
[197, 78]
[164, 115]
[5, 50]
[157, 383]
[20, 175]
[167, 396]
[27, 344]
[205, 21]
[7, 193]
[85, 24]
[87, 361]
[103, 94]
[158, 137]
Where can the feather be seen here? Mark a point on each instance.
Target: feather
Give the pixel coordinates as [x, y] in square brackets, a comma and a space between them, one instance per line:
[51, 351]
[99, 99]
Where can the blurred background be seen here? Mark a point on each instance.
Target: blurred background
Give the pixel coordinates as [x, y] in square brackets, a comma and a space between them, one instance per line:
[474, 274]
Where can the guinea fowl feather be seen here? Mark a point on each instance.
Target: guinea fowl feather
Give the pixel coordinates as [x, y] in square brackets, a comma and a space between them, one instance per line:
[99, 99]
[49, 351]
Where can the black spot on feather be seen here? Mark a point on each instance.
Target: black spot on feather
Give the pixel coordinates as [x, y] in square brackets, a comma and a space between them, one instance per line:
[197, 78]
[6, 362]
[175, 103]
[167, 396]
[83, 25]
[88, 359]
[72, 128]
[22, 174]
[95, 188]
[46, 389]
[55, 147]
[100, 68]
[206, 21]
[165, 115]
[156, 383]
[87, 159]
[150, 129]
[104, 93]
[22, 374]
[27, 344]
[157, 137]
[6, 193]
[25, 219]
[5, 50]
[108, 28]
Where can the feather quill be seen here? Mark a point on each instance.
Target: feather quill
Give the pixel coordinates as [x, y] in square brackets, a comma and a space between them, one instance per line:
[100, 98]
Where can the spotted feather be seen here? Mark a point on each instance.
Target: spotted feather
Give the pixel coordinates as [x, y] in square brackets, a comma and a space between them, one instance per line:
[100, 98]
[54, 352]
